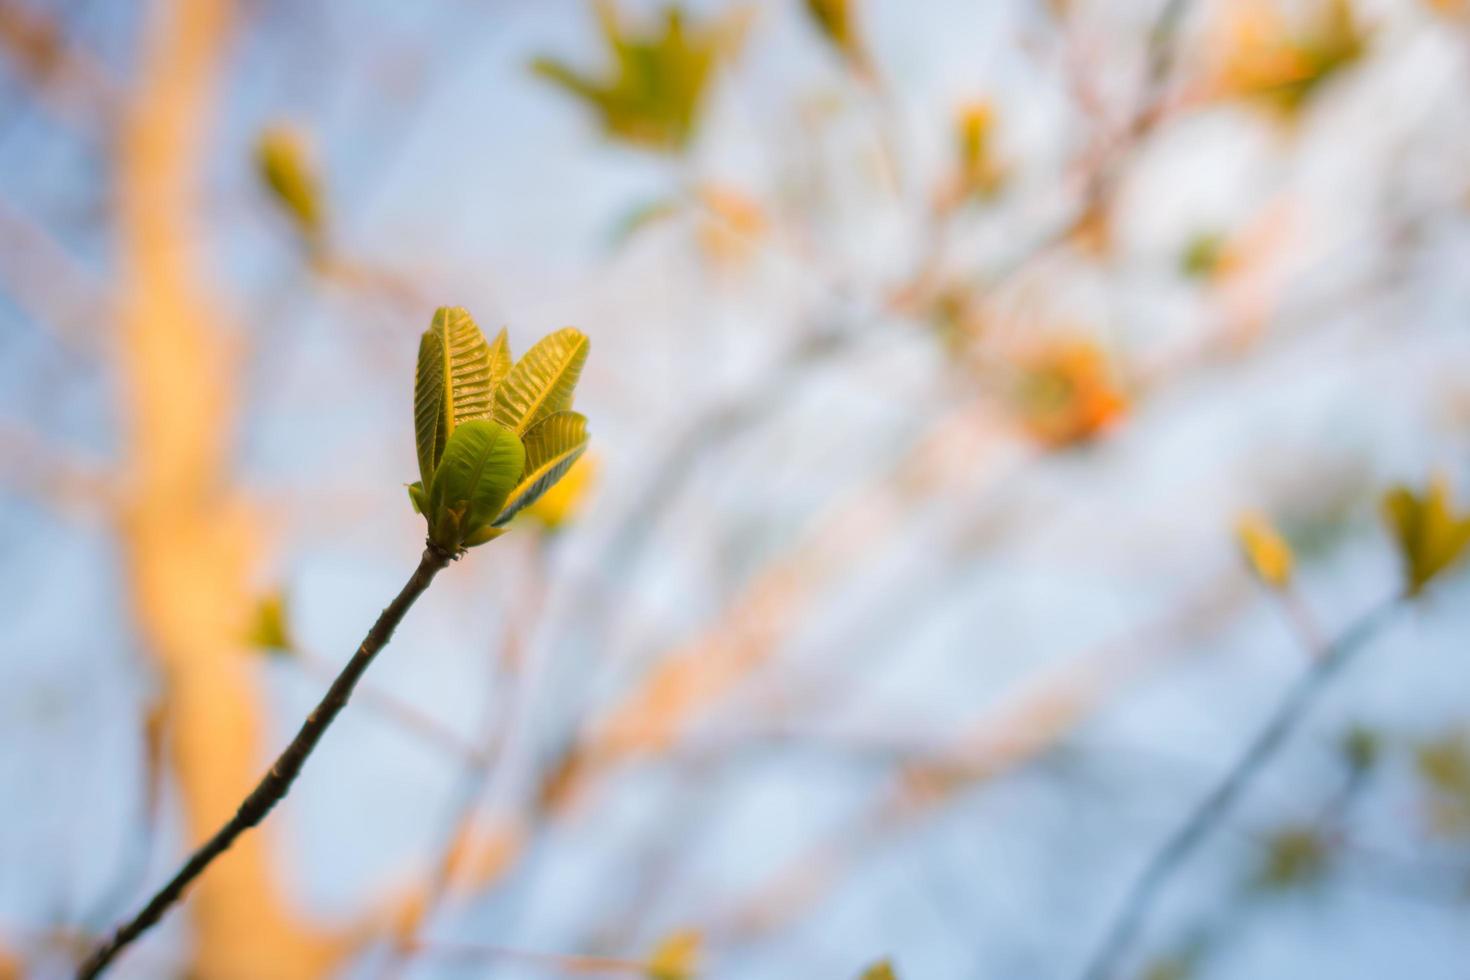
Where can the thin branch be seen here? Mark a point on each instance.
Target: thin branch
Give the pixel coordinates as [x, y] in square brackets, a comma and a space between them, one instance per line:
[276, 783]
[1216, 805]
[404, 714]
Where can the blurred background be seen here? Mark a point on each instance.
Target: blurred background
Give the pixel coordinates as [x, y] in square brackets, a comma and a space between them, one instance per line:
[991, 405]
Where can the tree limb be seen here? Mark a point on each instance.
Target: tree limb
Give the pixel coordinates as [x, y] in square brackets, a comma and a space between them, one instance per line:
[277, 781]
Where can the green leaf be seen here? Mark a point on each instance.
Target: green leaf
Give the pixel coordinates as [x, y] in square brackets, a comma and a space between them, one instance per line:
[487, 533]
[418, 497]
[658, 77]
[482, 462]
[270, 629]
[454, 382]
[1431, 536]
[284, 166]
[1294, 856]
[836, 21]
[1170, 966]
[1203, 255]
[542, 381]
[1265, 550]
[499, 358]
[1443, 765]
[676, 957]
[552, 446]
[882, 970]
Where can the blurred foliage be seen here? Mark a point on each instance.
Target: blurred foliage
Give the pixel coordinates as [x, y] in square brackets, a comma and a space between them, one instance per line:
[676, 957]
[837, 20]
[980, 175]
[496, 437]
[1443, 764]
[1203, 256]
[882, 970]
[284, 164]
[1280, 65]
[493, 436]
[1066, 394]
[1294, 857]
[1361, 748]
[652, 93]
[1170, 966]
[953, 312]
[1266, 551]
[1430, 534]
[269, 630]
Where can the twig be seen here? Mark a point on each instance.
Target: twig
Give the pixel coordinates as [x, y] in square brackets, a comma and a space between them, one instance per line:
[276, 783]
[1216, 805]
[402, 713]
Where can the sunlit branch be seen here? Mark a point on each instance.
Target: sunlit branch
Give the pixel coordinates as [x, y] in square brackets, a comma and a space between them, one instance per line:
[277, 781]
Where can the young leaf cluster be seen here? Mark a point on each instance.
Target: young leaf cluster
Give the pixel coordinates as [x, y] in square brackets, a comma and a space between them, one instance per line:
[493, 434]
[654, 90]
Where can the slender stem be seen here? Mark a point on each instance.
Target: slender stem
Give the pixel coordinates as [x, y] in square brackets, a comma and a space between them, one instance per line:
[1210, 811]
[276, 783]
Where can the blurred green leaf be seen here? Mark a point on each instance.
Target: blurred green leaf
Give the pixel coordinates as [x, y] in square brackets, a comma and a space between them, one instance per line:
[1171, 966]
[837, 21]
[979, 173]
[269, 629]
[1430, 535]
[1203, 255]
[1361, 747]
[1265, 550]
[285, 167]
[1287, 73]
[1294, 857]
[655, 88]
[676, 957]
[1443, 764]
[882, 970]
